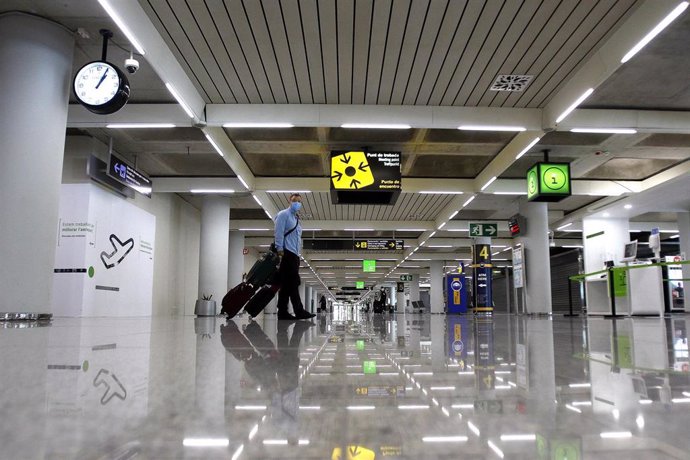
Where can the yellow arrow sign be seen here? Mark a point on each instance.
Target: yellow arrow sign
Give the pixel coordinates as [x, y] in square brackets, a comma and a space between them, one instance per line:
[351, 171]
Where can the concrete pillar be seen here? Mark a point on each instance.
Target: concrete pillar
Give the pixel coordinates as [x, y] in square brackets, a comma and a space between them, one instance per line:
[684, 239]
[537, 259]
[436, 287]
[235, 258]
[438, 342]
[213, 249]
[603, 239]
[302, 295]
[36, 78]
[307, 298]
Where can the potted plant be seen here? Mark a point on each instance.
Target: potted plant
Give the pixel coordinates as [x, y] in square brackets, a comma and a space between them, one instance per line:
[205, 306]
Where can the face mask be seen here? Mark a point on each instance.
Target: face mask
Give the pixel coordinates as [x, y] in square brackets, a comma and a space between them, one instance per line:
[296, 206]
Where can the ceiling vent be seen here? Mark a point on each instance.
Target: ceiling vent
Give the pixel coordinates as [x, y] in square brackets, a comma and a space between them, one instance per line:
[511, 82]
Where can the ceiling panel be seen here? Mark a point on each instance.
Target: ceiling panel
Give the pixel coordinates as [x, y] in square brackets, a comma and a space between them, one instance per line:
[425, 52]
[409, 207]
[455, 166]
[629, 168]
[280, 164]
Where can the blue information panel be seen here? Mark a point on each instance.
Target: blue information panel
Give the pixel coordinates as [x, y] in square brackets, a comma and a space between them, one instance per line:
[459, 335]
[456, 293]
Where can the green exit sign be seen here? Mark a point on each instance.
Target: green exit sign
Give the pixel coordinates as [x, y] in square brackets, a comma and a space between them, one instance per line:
[548, 182]
[369, 367]
[360, 345]
[368, 266]
[359, 284]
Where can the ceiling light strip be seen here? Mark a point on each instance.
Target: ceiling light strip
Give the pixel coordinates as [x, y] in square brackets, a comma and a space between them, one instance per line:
[122, 25]
[655, 31]
[529, 146]
[574, 105]
[180, 101]
[491, 128]
[375, 126]
[258, 125]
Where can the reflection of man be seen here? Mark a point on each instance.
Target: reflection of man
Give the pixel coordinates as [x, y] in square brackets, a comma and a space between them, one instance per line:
[288, 237]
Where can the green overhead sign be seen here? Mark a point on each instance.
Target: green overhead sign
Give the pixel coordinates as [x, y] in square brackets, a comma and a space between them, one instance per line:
[359, 284]
[483, 229]
[548, 182]
[369, 367]
[368, 266]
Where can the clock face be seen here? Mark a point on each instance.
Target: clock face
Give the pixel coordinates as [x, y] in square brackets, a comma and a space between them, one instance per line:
[96, 83]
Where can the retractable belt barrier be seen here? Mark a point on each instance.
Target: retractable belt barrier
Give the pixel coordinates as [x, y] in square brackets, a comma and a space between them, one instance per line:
[630, 267]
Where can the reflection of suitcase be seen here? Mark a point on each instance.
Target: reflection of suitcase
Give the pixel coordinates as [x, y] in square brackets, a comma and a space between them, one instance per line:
[264, 270]
[259, 300]
[236, 298]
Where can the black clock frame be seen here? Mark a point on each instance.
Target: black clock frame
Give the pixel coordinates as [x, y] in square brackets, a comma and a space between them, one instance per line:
[118, 100]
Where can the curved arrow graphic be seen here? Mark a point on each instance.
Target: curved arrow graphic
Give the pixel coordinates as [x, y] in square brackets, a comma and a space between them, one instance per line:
[354, 183]
[345, 159]
[337, 176]
[363, 166]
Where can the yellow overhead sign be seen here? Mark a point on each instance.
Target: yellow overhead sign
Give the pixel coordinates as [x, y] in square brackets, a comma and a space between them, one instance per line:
[351, 171]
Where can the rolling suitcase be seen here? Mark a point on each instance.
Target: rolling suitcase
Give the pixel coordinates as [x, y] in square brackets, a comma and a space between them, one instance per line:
[265, 269]
[259, 300]
[235, 299]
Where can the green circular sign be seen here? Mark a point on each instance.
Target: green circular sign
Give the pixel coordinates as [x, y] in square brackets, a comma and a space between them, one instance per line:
[554, 178]
[91, 272]
[532, 186]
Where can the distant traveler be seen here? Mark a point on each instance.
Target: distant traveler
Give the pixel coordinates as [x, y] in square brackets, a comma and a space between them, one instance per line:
[288, 237]
[322, 303]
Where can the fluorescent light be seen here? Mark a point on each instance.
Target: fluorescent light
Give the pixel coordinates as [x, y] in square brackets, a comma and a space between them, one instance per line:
[675, 236]
[564, 226]
[580, 385]
[449, 388]
[361, 407]
[139, 125]
[288, 191]
[680, 400]
[254, 229]
[444, 439]
[469, 200]
[572, 246]
[268, 214]
[215, 146]
[489, 183]
[464, 406]
[359, 230]
[579, 101]
[473, 428]
[212, 190]
[582, 403]
[123, 27]
[442, 225]
[439, 192]
[375, 126]
[518, 437]
[573, 408]
[257, 200]
[453, 215]
[275, 442]
[241, 180]
[258, 125]
[414, 406]
[253, 432]
[655, 31]
[180, 101]
[495, 448]
[238, 452]
[616, 434]
[206, 442]
[249, 407]
[491, 128]
[526, 149]
[310, 407]
[604, 130]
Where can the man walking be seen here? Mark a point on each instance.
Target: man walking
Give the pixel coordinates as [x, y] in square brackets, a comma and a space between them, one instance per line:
[288, 237]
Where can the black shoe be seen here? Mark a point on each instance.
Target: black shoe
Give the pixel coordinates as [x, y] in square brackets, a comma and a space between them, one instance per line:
[304, 314]
[286, 316]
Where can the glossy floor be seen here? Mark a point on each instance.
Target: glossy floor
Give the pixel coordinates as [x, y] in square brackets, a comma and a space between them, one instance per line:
[398, 386]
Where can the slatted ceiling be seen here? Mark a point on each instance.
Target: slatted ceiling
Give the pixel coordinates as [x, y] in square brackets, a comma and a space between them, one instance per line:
[204, 42]
[425, 52]
[318, 206]
[421, 16]
[468, 21]
[433, 49]
[523, 17]
[504, 19]
[361, 36]
[578, 49]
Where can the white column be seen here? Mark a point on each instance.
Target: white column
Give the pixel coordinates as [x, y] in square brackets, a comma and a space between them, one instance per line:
[684, 239]
[307, 298]
[213, 249]
[414, 289]
[36, 78]
[537, 259]
[436, 289]
[603, 239]
[438, 342]
[235, 258]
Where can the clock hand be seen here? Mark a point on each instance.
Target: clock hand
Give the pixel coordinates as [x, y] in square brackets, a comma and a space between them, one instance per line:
[102, 78]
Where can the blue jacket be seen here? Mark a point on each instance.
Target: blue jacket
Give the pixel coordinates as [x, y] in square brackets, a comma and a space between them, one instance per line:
[285, 220]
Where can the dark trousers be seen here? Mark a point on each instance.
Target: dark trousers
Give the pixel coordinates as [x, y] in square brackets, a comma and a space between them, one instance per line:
[289, 283]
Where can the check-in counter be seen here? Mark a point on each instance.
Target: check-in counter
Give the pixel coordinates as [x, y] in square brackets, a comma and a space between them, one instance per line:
[635, 289]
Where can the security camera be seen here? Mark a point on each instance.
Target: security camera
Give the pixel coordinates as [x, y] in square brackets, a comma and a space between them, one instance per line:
[132, 65]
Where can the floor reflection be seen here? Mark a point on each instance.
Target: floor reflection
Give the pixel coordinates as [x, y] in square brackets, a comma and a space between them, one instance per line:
[347, 385]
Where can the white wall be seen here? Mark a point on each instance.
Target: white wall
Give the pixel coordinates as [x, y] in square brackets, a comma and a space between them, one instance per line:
[178, 227]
